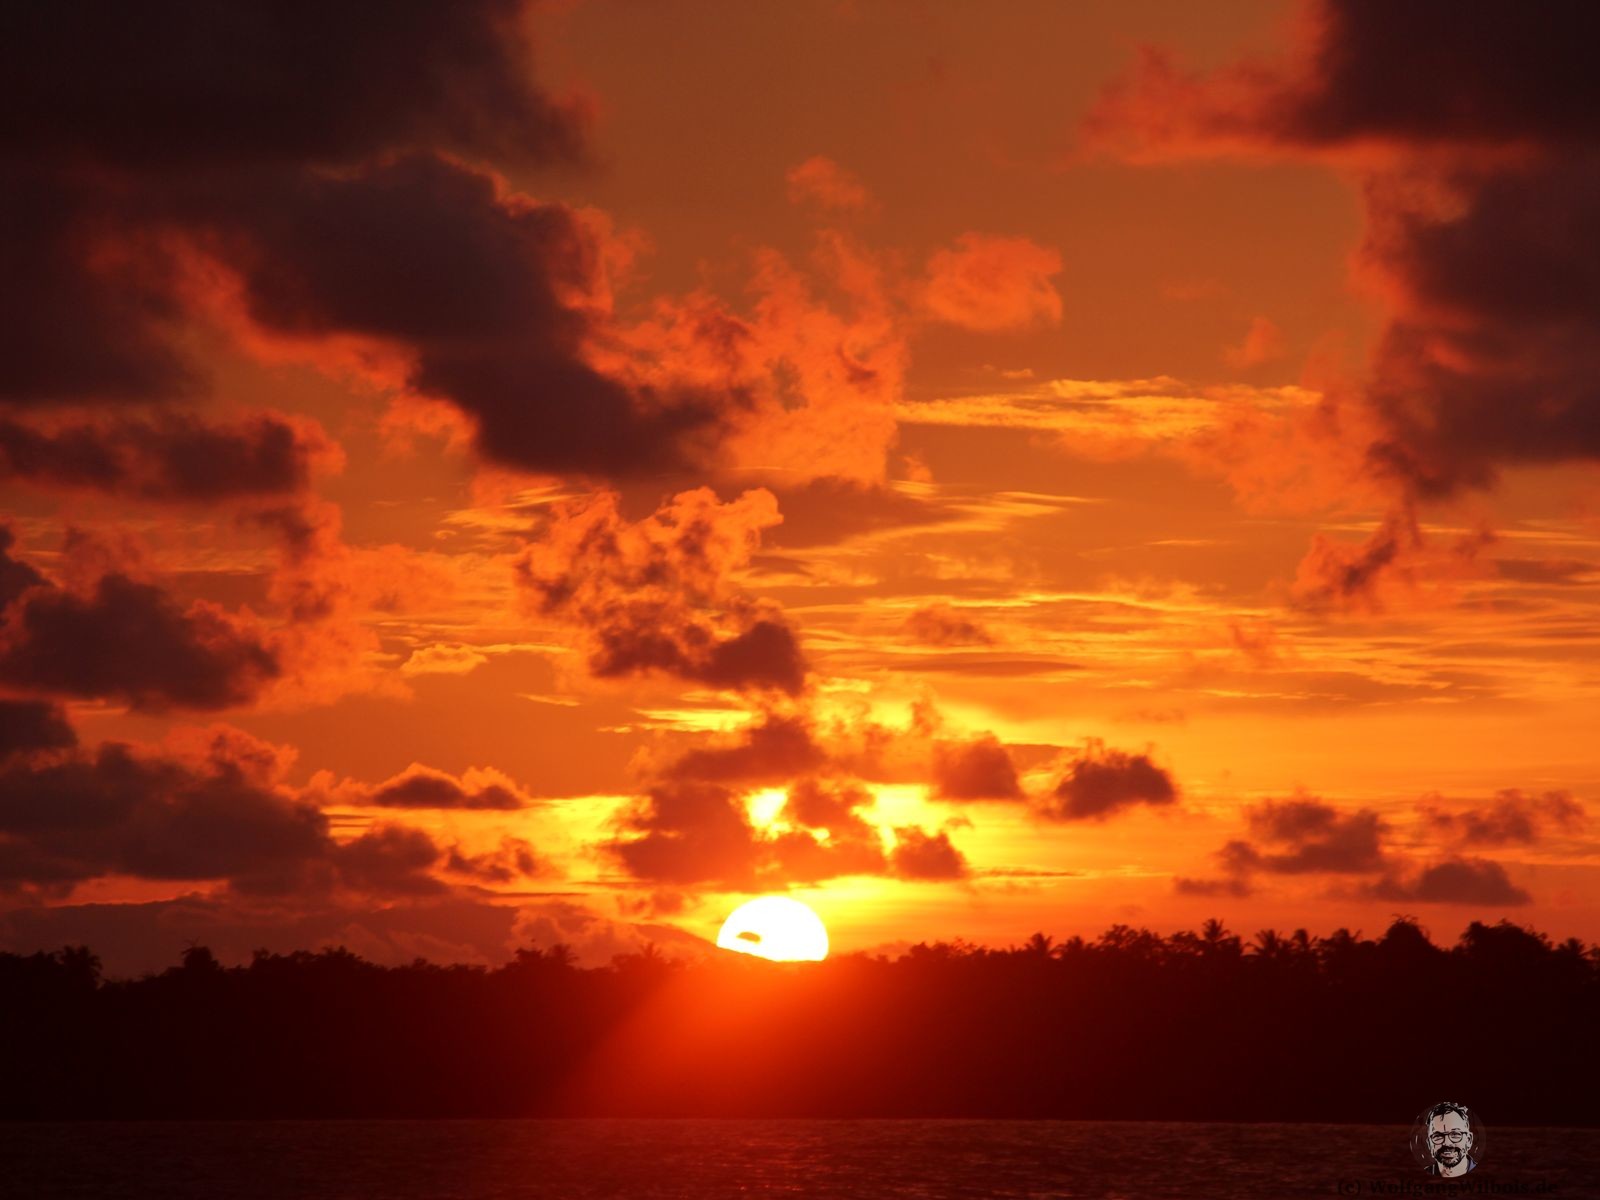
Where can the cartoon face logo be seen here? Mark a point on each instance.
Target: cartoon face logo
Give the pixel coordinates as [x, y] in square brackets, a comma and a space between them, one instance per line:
[1447, 1139]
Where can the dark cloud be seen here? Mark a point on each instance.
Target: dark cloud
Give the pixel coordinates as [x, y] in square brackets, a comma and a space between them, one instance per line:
[33, 725]
[423, 787]
[1235, 886]
[941, 625]
[659, 595]
[79, 323]
[116, 122]
[1476, 133]
[918, 854]
[777, 750]
[389, 860]
[182, 83]
[1306, 835]
[1453, 881]
[168, 456]
[694, 828]
[126, 640]
[1491, 359]
[1511, 818]
[1300, 836]
[113, 811]
[852, 846]
[1342, 576]
[1427, 75]
[1437, 71]
[1545, 570]
[685, 833]
[832, 806]
[496, 296]
[16, 576]
[800, 857]
[766, 654]
[215, 809]
[1103, 781]
[514, 859]
[975, 770]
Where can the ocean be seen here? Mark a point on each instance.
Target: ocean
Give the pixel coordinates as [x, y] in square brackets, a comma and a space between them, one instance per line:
[718, 1159]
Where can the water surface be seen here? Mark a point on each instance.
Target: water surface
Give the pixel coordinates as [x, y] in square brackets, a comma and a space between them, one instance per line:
[714, 1160]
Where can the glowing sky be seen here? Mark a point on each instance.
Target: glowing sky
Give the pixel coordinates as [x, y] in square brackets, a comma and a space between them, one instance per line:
[983, 468]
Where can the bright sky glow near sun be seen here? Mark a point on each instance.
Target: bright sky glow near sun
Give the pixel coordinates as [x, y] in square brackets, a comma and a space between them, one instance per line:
[976, 469]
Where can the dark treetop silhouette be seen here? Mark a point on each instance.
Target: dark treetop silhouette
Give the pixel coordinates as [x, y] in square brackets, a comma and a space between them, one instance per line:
[1196, 1025]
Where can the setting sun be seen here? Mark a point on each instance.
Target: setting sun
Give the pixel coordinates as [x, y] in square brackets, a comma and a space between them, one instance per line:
[775, 927]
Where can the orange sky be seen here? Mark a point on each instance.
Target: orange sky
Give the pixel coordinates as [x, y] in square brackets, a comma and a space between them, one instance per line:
[981, 469]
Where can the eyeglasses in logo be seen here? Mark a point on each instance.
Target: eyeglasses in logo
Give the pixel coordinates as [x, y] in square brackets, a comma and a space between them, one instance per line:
[1447, 1139]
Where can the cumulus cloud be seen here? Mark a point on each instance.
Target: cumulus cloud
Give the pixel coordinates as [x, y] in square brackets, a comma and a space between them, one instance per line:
[853, 846]
[124, 639]
[1100, 782]
[33, 725]
[513, 859]
[1511, 818]
[687, 834]
[1262, 343]
[262, 82]
[1236, 886]
[1299, 836]
[116, 811]
[1475, 139]
[495, 317]
[918, 854]
[1305, 835]
[774, 751]
[167, 455]
[979, 769]
[1452, 881]
[209, 806]
[659, 595]
[95, 156]
[389, 860]
[1365, 75]
[809, 374]
[419, 786]
[78, 324]
[824, 183]
[990, 284]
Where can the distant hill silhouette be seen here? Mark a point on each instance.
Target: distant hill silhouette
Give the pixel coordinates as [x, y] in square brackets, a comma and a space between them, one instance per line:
[1131, 1025]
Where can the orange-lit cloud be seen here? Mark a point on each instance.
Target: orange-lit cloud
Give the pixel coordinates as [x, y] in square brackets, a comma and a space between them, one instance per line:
[658, 595]
[990, 283]
[821, 181]
[1262, 343]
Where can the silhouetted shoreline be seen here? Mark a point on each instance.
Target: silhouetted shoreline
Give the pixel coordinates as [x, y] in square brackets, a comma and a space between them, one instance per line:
[1130, 1026]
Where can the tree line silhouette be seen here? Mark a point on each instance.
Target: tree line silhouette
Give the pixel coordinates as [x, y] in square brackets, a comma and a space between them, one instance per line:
[1198, 1025]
